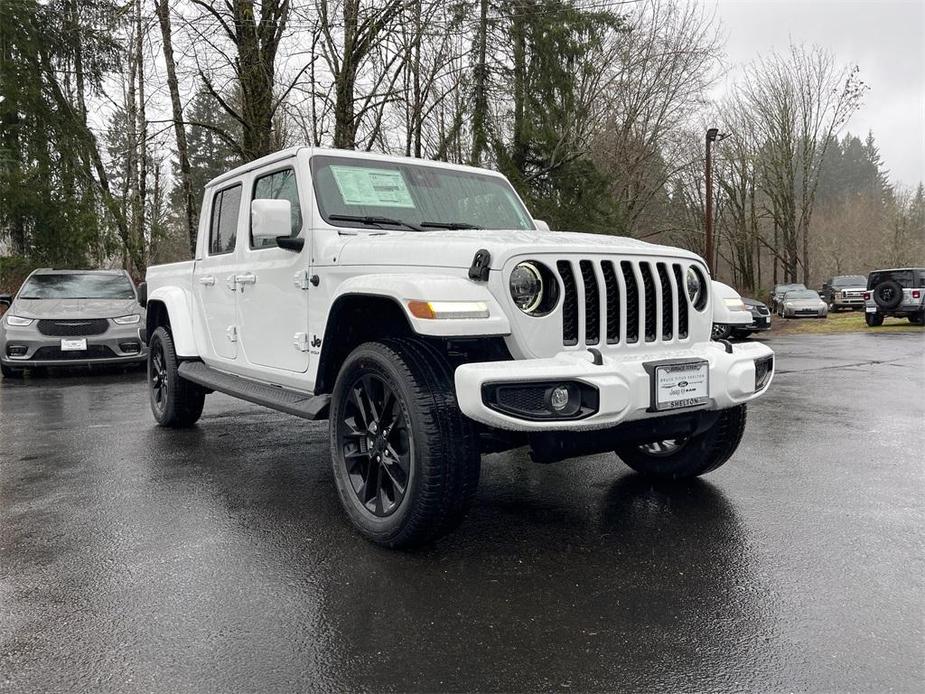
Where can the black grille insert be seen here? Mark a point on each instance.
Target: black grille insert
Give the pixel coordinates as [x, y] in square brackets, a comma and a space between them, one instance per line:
[667, 300]
[569, 304]
[613, 302]
[632, 302]
[592, 303]
[682, 302]
[73, 328]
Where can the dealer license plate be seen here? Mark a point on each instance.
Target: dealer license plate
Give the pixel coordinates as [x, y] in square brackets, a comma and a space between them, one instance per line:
[681, 385]
[74, 345]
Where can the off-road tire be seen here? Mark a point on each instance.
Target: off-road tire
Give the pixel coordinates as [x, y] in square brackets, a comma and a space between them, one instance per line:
[181, 401]
[10, 372]
[873, 320]
[699, 455]
[917, 318]
[445, 462]
[897, 295]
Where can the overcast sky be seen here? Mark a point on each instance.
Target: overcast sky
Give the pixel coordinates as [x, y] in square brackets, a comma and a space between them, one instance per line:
[886, 38]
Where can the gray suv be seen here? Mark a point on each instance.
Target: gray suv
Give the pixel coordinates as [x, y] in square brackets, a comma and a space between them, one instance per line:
[899, 292]
[71, 317]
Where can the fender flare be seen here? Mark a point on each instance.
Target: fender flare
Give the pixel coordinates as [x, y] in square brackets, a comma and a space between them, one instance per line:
[176, 303]
[404, 288]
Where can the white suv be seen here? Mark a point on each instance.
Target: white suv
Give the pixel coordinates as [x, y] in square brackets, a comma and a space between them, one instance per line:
[420, 309]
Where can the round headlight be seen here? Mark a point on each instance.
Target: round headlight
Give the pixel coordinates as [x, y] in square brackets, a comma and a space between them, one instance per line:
[696, 288]
[527, 287]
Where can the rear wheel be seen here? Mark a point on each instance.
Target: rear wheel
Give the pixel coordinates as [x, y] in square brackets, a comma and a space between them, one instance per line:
[676, 459]
[873, 319]
[918, 318]
[175, 402]
[406, 461]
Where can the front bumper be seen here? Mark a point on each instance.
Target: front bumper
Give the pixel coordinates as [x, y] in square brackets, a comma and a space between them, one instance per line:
[622, 381]
[758, 323]
[848, 301]
[26, 347]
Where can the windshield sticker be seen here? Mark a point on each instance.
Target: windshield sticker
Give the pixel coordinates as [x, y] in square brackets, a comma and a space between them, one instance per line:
[375, 187]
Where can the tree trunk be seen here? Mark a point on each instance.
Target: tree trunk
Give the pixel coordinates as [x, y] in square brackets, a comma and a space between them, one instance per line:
[186, 177]
[519, 38]
[344, 82]
[480, 78]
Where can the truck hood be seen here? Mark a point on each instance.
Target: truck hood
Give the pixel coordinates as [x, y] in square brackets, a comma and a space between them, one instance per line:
[448, 248]
[74, 308]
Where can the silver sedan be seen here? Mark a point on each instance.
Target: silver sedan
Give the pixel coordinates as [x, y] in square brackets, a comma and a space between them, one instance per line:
[71, 317]
[803, 303]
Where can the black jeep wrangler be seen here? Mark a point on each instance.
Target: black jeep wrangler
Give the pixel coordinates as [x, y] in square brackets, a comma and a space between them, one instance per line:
[899, 292]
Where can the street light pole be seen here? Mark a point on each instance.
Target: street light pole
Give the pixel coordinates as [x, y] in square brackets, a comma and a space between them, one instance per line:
[713, 135]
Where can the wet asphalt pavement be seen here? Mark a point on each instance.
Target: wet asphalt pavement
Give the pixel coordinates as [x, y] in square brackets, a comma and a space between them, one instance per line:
[217, 559]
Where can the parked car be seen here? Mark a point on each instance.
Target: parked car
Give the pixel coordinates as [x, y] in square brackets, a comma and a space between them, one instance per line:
[899, 292]
[844, 291]
[729, 313]
[69, 318]
[760, 318]
[777, 294]
[803, 303]
[420, 309]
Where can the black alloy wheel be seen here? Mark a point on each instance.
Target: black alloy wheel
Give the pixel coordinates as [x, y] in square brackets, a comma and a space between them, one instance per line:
[377, 444]
[157, 375]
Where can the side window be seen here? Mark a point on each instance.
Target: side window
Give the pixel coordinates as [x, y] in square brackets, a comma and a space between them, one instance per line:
[280, 185]
[223, 228]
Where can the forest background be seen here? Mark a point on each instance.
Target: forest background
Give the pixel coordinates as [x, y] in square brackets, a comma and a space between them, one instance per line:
[114, 115]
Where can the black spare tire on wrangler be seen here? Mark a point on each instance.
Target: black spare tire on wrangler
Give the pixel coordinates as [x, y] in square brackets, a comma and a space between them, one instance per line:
[406, 461]
[888, 294]
[677, 459]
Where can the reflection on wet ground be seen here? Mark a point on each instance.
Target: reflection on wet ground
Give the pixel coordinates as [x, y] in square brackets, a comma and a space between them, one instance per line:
[217, 559]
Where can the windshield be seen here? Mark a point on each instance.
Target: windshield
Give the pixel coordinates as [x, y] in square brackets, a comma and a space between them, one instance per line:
[850, 281]
[802, 294]
[377, 194]
[784, 288]
[70, 286]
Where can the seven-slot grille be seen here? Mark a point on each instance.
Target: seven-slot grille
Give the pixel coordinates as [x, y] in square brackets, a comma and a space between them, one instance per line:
[72, 328]
[622, 301]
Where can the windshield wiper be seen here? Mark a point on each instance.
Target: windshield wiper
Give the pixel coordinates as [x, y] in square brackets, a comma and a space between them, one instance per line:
[372, 221]
[449, 225]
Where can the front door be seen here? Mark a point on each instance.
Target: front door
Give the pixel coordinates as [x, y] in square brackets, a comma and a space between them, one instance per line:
[214, 274]
[273, 284]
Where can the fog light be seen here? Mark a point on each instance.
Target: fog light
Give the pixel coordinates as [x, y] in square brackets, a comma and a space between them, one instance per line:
[16, 350]
[763, 369]
[558, 398]
[130, 347]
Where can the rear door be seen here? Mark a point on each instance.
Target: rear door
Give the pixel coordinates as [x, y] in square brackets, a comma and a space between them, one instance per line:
[273, 282]
[214, 274]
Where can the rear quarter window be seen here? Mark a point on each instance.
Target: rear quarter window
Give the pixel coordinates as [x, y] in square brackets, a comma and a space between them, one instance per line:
[223, 225]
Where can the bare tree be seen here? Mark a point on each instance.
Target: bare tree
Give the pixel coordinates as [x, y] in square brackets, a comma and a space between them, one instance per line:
[797, 100]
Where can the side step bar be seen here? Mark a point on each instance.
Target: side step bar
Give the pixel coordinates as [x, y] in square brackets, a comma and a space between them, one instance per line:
[275, 397]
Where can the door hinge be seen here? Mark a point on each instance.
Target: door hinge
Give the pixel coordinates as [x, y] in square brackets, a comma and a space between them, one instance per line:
[301, 279]
[231, 333]
[301, 342]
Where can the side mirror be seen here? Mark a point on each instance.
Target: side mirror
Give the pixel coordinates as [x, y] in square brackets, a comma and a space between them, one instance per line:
[142, 291]
[541, 225]
[6, 299]
[270, 220]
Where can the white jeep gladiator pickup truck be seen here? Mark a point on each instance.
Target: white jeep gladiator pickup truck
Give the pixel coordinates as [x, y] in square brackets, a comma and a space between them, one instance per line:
[420, 309]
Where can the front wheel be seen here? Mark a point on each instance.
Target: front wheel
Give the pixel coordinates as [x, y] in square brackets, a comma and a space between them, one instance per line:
[175, 402]
[721, 332]
[873, 320]
[406, 461]
[677, 459]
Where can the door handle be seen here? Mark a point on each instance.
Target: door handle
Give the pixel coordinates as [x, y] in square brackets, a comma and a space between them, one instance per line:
[207, 280]
[246, 278]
